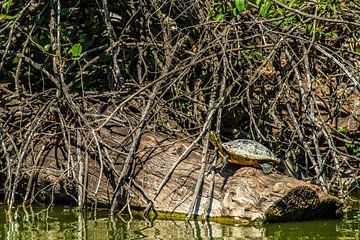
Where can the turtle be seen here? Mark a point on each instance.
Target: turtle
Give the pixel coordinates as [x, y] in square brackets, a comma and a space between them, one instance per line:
[245, 152]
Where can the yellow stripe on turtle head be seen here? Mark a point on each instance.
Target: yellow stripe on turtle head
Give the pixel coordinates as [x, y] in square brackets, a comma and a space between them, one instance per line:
[215, 139]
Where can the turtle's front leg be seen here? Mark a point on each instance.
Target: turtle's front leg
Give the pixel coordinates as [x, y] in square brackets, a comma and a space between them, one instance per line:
[224, 162]
[220, 163]
[225, 159]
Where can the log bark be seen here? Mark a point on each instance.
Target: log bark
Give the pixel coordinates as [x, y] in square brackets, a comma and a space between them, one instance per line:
[243, 194]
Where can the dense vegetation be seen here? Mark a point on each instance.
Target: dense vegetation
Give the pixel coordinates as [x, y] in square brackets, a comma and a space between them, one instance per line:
[285, 73]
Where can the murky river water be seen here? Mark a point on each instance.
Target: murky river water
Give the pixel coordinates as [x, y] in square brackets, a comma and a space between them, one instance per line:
[63, 223]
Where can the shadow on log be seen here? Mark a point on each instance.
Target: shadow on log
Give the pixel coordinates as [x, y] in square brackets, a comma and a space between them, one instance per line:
[243, 194]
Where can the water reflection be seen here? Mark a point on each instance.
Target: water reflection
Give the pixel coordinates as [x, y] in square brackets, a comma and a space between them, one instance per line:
[64, 223]
[169, 229]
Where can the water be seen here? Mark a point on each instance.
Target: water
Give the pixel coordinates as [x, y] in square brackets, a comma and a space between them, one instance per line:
[64, 223]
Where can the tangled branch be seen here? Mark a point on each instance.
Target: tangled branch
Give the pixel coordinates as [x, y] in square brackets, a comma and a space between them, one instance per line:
[286, 76]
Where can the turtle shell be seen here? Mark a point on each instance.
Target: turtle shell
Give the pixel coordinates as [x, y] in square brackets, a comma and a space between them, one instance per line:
[246, 148]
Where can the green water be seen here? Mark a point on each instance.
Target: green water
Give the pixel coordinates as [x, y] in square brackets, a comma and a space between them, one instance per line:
[63, 223]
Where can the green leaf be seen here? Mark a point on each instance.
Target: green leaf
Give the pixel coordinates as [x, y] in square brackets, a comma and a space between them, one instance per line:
[240, 5]
[219, 16]
[335, 34]
[6, 6]
[8, 17]
[350, 145]
[309, 28]
[75, 51]
[15, 60]
[233, 12]
[209, 14]
[82, 37]
[280, 11]
[65, 12]
[43, 49]
[341, 129]
[46, 47]
[258, 2]
[292, 3]
[265, 8]
[357, 48]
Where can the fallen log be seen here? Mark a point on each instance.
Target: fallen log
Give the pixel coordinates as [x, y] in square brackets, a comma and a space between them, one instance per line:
[243, 194]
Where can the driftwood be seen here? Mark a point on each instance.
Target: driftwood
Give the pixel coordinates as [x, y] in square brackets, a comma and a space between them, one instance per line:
[244, 194]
